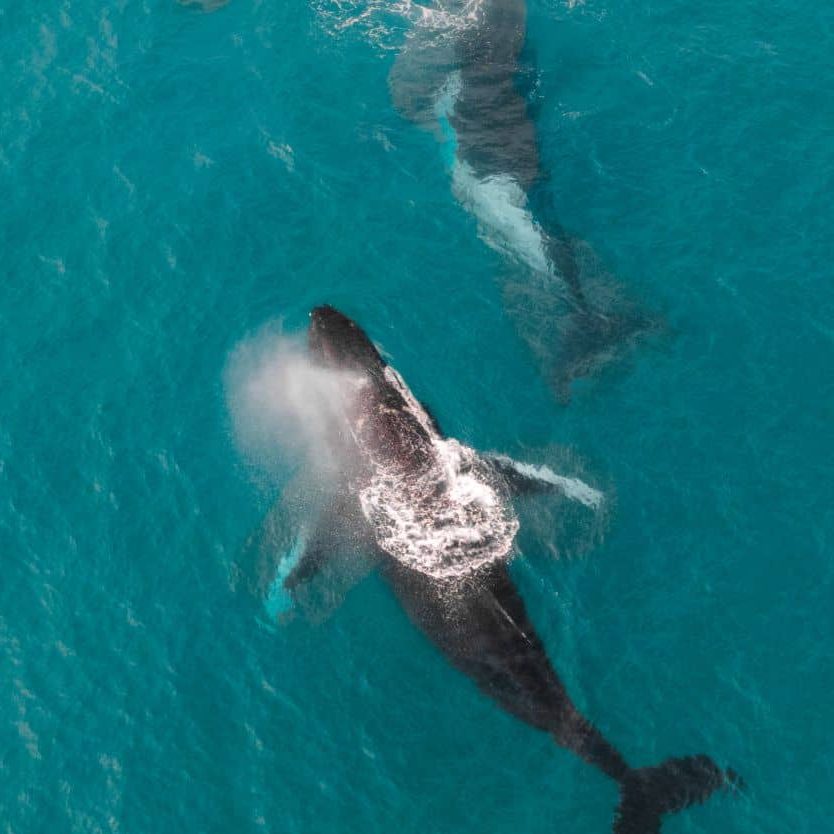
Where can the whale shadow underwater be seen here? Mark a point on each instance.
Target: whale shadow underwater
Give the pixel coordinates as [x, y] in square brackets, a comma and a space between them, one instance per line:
[460, 78]
[438, 520]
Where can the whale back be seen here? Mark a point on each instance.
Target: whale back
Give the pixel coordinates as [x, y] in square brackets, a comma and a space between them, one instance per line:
[430, 502]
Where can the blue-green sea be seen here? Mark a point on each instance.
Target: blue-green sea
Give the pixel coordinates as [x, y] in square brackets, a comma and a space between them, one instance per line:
[173, 180]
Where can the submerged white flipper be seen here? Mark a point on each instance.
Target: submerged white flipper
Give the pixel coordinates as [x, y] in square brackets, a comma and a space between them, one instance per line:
[527, 478]
[278, 600]
[418, 75]
[306, 567]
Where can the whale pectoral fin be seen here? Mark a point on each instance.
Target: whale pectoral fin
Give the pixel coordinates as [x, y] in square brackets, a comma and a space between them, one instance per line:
[334, 532]
[297, 565]
[417, 77]
[529, 479]
[309, 563]
[593, 340]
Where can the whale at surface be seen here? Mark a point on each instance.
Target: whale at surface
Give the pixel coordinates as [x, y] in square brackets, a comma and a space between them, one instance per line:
[460, 79]
[440, 521]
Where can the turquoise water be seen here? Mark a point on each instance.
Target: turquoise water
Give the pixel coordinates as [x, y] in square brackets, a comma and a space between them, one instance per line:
[174, 180]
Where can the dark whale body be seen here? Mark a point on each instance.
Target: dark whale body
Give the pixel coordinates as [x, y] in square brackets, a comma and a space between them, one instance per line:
[486, 633]
[478, 620]
[495, 136]
[494, 130]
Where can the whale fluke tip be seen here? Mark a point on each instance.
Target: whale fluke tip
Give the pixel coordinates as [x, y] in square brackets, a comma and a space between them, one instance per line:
[647, 793]
[593, 341]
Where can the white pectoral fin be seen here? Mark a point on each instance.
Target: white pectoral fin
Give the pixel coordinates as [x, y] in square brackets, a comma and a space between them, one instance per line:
[418, 75]
[278, 599]
[307, 565]
[530, 479]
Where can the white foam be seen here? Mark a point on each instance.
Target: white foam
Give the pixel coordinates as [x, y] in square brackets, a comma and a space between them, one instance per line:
[447, 520]
[446, 517]
[381, 20]
[449, 16]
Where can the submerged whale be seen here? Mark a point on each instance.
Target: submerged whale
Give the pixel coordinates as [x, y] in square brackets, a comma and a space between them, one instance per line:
[440, 520]
[460, 78]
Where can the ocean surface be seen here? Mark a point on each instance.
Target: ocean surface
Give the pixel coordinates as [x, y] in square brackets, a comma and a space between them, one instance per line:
[174, 179]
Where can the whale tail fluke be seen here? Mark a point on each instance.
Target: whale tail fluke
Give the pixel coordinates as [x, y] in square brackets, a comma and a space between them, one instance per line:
[593, 340]
[647, 793]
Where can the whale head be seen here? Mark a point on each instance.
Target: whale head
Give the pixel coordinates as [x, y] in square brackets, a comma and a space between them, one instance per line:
[338, 342]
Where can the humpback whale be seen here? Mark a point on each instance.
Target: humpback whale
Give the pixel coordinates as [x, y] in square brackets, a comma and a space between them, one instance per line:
[440, 518]
[460, 78]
